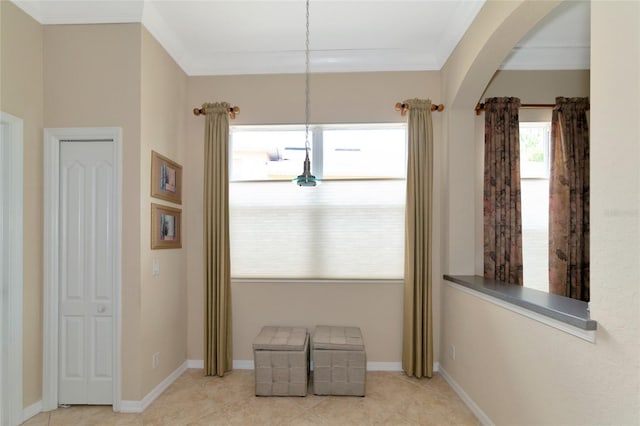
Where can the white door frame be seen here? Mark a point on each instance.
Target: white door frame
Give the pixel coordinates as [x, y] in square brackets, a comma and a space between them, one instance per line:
[11, 160]
[52, 141]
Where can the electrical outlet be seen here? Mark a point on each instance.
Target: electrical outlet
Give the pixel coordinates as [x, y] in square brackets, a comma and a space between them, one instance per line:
[452, 352]
[155, 360]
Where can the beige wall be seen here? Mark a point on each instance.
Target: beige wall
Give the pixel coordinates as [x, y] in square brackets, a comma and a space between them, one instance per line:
[164, 297]
[615, 212]
[21, 95]
[335, 98]
[92, 78]
[538, 87]
[118, 75]
[495, 30]
[517, 370]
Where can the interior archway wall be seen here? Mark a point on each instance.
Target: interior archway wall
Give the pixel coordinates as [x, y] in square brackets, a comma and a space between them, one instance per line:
[468, 71]
[511, 369]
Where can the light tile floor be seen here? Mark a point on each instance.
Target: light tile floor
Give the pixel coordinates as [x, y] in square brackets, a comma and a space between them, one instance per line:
[193, 399]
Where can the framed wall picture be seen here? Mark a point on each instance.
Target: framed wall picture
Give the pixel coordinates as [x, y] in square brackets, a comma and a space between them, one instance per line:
[166, 224]
[166, 178]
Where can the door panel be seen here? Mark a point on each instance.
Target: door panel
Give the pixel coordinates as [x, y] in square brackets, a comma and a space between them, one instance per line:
[101, 364]
[86, 272]
[72, 355]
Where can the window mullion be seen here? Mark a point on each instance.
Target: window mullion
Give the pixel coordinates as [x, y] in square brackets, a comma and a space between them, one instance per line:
[317, 149]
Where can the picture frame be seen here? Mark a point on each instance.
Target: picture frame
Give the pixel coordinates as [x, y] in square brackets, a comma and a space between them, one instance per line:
[166, 178]
[166, 227]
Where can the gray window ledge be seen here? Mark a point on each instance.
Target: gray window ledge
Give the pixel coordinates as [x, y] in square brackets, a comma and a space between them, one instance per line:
[563, 309]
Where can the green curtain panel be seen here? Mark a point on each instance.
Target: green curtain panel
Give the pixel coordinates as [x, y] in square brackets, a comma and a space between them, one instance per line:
[502, 209]
[569, 199]
[417, 342]
[218, 357]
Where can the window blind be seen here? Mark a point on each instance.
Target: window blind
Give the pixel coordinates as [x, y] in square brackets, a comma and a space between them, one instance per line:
[343, 229]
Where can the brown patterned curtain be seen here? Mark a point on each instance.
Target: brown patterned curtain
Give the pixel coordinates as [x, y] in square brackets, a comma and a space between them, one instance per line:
[218, 357]
[502, 212]
[569, 199]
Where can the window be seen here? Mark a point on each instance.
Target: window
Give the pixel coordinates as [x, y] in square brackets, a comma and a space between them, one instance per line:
[534, 150]
[534, 170]
[351, 226]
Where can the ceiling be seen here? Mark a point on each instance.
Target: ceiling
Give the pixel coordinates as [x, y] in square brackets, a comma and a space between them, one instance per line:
[220, 37]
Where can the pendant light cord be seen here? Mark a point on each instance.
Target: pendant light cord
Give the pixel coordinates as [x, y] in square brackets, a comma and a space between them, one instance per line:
[306, 178]
[306, 87]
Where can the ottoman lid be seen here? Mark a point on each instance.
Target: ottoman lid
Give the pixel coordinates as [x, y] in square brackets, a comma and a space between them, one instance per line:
[281, 338]
[338, 338]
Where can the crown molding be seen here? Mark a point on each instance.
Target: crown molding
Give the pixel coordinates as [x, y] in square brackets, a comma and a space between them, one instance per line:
[429, 56]
[323, 61]
[466, 13]
[93, 12]
[546, 58]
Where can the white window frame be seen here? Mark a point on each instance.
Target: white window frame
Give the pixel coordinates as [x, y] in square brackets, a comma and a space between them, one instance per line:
[545, 148]
[316, 132]
[316, 138]
[547, 158]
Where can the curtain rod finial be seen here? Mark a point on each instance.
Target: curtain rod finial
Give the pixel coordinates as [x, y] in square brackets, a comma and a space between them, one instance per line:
[232, 111]
[402, 107]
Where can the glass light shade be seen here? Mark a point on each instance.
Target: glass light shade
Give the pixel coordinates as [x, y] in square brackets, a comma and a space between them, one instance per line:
[306, 178]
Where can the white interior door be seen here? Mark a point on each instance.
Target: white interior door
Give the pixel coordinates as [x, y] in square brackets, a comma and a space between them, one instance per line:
[86, 272]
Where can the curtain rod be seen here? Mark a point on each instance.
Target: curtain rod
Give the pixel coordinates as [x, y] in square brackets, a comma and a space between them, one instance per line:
[480, 107]
[233, 111]
[405, 107]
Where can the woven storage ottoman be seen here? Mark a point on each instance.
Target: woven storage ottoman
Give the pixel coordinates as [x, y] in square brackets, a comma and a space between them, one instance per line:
[339, 361]
[281, 358]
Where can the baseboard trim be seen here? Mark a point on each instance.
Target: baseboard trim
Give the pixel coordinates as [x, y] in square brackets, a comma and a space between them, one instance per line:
[32, 410]
[475, 409]
[243, 364]
[195, 363]
[238, 364]
[384, 366]
[247, 364]
[140, 406]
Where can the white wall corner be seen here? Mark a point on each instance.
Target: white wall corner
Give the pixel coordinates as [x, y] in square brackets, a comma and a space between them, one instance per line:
[131, 406]
[384, 366]
[32, 410]
[140, 406]
[11, 301]
[242, 364]
[470, 403]
[247, 364]
[195, 363]
[238, 364]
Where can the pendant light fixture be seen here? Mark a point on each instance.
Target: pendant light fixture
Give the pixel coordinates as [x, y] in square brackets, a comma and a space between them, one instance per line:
[306, 178]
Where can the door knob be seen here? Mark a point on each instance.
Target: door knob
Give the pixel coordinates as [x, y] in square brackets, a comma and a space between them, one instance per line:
[102, 309]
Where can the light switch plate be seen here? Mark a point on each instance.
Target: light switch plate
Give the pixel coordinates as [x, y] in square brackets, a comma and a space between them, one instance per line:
[156, 267]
